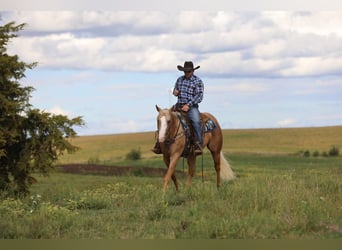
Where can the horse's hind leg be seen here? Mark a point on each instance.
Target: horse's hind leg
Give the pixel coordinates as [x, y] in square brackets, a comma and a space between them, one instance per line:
[217, 162]
[191, 168]
[174, 179]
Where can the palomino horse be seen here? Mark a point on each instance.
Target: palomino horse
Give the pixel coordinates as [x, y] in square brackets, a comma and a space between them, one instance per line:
[172, 139]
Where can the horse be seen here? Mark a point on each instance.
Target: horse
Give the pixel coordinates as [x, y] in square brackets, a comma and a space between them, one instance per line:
[172, 140]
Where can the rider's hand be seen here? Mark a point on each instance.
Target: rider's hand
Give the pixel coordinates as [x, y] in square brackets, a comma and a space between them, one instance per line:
[185, 107]
[175, 92]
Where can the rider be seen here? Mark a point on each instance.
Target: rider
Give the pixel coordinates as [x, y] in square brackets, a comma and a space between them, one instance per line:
[189, 89]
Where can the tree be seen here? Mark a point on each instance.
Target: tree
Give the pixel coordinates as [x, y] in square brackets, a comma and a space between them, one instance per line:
[30, 139]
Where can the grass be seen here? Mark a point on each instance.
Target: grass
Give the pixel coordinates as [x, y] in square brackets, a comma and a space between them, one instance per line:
[109, 148]
[262, 203]
[278, 194]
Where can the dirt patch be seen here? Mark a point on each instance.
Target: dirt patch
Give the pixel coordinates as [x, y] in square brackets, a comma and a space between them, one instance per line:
[114, 170]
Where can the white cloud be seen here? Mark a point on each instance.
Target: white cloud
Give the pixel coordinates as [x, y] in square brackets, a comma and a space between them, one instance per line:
[286, 122]
[58, 111]
[319, 22]
[268, 44]
[313, 66]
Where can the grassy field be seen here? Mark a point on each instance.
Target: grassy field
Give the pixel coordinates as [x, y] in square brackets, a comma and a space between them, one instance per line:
[113, 148]
[278, 193]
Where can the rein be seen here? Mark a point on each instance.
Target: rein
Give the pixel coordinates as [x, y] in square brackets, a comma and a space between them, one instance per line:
[176, 136]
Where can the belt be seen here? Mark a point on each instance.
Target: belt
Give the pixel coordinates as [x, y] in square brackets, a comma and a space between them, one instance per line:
[179, 105]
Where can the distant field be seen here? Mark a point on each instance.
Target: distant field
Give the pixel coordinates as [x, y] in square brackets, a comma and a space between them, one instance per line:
[113, 148]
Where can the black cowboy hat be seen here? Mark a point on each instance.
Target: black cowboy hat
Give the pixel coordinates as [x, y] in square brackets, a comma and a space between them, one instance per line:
[188, 66]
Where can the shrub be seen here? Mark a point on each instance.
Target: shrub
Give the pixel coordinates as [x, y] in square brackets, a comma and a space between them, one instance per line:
[334, 151]
[134, 155]
[315, 154]
[93, 160]
[306, 153]
[325, 154]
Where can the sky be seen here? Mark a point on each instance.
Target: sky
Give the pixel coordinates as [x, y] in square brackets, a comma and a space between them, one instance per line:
[261, 69]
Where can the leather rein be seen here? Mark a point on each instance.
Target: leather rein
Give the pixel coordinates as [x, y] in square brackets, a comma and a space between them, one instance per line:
[169, 140]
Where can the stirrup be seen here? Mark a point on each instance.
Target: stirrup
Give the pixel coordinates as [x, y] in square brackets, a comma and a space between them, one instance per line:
[198, 149]
[198, 152]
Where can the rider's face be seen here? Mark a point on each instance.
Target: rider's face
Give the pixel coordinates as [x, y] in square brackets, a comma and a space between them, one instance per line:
[188, 74]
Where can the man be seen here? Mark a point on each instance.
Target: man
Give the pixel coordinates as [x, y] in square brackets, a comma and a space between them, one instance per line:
[189, 89]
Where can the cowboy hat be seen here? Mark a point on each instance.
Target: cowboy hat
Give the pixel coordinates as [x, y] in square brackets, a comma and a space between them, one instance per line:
[188, 66]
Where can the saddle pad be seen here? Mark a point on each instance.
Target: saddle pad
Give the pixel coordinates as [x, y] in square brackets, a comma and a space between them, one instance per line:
[209, 126]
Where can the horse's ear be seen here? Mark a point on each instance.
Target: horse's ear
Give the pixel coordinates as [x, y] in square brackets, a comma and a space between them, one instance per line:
[157, 108]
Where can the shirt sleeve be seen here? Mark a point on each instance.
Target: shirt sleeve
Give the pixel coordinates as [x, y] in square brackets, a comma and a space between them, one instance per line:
[177, 83]
[199, 89]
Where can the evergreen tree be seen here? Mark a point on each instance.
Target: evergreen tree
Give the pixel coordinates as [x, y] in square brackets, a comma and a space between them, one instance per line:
[30, 139]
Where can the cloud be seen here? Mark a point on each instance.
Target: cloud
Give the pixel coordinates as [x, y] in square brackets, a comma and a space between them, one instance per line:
[58, 111]
[265, 44]
[313, 66]
[286, 122]
[321, 23]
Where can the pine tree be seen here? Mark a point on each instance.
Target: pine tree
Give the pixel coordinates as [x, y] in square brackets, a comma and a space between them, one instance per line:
[30, 139]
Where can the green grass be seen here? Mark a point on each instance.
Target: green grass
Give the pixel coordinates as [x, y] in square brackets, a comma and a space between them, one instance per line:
[278, 194]
[273, 197]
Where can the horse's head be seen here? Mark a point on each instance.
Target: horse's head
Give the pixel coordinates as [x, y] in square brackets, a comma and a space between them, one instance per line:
[164, 119]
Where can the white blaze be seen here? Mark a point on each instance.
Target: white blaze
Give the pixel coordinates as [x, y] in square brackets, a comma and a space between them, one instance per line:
[162, 130]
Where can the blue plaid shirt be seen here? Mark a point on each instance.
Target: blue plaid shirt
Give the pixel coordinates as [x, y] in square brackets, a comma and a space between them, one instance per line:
[190, 90]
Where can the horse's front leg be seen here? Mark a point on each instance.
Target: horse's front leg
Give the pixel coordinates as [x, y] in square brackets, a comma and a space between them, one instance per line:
[172, 164]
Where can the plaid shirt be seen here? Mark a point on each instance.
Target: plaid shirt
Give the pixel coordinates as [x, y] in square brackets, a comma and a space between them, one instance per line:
[190, 90]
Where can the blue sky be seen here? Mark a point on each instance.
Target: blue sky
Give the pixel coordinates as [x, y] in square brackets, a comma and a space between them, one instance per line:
[260, 68]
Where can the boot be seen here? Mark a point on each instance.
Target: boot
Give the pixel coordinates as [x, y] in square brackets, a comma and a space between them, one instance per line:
[198, 148]
[157, 149]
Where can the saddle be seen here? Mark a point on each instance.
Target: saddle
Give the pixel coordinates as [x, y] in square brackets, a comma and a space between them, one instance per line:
[207, 125]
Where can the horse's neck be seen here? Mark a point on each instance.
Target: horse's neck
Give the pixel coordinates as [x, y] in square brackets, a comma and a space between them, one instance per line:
[174, 127]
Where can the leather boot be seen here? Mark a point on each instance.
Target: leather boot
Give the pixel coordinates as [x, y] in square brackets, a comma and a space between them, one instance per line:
[157, 149]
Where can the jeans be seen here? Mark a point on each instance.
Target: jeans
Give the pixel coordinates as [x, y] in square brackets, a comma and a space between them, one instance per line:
[194, 116]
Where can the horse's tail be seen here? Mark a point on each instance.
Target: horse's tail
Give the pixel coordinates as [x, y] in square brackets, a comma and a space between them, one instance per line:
[226, 173]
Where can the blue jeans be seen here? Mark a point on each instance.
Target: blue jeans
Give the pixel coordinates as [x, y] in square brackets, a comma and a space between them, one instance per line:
[194, 116]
